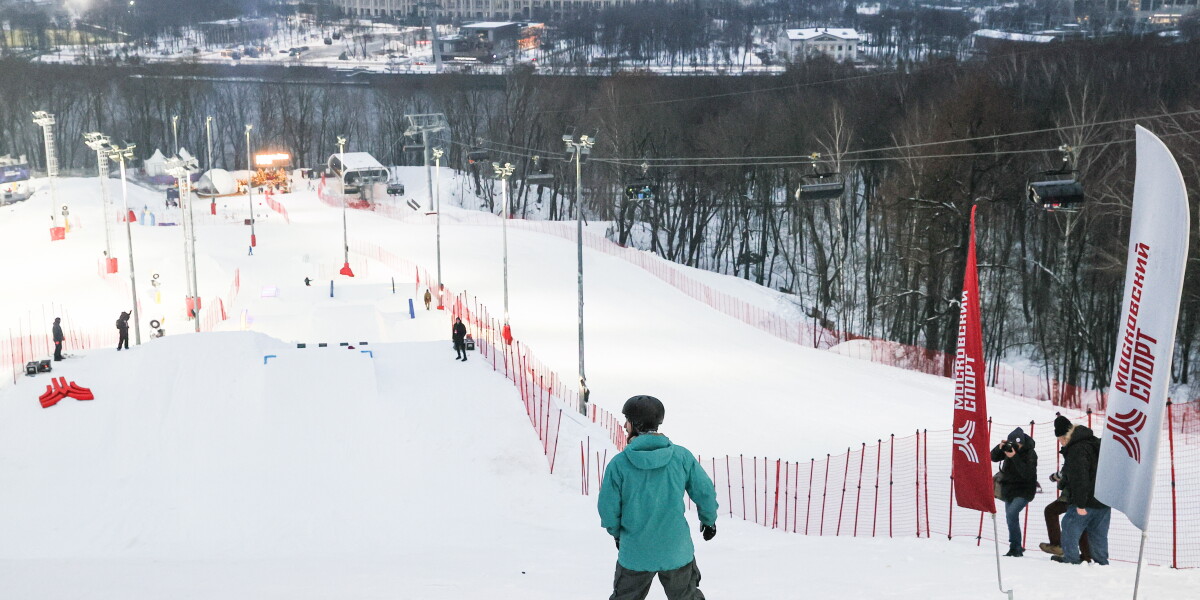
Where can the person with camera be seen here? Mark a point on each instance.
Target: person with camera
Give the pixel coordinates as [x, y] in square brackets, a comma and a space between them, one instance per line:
[641, 506]
[1018, 482]
[1055, 509]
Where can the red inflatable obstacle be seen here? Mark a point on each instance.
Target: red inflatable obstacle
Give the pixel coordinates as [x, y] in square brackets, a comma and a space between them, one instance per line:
[507, 334]
[61, 389]
[346, 270]
[57, 233]
[111, 265]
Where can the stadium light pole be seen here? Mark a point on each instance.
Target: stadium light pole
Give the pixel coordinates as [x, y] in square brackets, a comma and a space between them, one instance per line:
[437, 219]
[120, 154]
[580, 150]
[181, 170]
[99, 142]
[208, 138]
[424, 125]
[250, 187]
[46, 121]
[341, 143]
[503, 173]
[175, 132]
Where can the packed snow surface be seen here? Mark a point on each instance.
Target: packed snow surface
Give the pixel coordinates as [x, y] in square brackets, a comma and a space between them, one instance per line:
[206, 469]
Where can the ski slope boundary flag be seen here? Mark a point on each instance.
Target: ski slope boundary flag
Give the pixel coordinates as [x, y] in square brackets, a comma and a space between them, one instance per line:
[1137, 394]
[972, 461]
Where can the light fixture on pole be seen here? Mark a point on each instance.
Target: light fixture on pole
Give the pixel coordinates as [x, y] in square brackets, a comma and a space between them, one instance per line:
[341, 143]
[122, 155]
[580, 150]
[437, 217]
[46, 121]
[208, 139]
[99, 142]
[424, 125]
[175, 132]
[250, 188]
[182, 171]
[503, 173]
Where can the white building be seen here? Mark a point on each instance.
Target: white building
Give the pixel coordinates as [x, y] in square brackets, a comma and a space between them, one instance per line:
[800, 44]
[519, 10]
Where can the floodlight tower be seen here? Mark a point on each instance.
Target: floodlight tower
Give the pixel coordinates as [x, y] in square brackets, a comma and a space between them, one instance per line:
[424, 125]
[46, 121]
[580, 151]
[182, 170]
[437, 217]
[503, 173]
[341, 144]
[122, 155]
[100, 143]
[175, 132]
[250, 185]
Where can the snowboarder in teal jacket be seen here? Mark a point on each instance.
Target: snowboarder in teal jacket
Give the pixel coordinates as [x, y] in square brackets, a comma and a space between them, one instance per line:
[641, 506]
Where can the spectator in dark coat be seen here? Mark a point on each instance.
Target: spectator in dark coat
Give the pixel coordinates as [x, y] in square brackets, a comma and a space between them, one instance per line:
[1054, 511]
[58, 338]
[123, 331]
[1018, 482]
[459, 335]
[428, 298]
[1085, 514]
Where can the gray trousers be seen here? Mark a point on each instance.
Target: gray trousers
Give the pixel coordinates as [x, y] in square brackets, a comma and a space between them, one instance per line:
[679, 584]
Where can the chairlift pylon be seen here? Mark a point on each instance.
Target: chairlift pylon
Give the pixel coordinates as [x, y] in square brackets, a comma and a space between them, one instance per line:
[1058, 190]
[820, 185]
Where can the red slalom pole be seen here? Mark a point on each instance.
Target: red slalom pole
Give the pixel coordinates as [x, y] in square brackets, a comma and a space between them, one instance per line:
[878, 462]
[824, 493]
[1174, 514]
[862, 457]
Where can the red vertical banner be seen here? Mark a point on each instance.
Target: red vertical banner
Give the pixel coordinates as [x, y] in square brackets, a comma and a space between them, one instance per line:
[972, 465]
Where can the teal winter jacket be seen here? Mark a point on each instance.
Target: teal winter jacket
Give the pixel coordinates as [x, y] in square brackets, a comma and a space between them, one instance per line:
[641, 503]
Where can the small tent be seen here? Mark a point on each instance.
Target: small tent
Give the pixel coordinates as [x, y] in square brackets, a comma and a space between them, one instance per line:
[155, 165]
[217, 182]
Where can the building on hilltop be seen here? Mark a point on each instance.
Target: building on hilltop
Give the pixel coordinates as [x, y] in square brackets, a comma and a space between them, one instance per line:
[473, 9]
[801, 44]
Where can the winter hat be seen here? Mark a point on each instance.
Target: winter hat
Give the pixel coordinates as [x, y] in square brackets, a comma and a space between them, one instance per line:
[1017, 436]
[1061, 426]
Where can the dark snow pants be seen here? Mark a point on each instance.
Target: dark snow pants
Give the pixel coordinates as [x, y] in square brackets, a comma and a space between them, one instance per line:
[679, 584]
[1053, 511]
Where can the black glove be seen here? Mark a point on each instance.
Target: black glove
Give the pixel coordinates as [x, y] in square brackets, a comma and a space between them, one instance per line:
[709, 531]
[618, 541]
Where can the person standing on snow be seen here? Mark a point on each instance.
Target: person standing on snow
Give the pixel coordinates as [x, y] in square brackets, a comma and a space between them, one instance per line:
[1018, 482]
[1085, 514]
[641, 506]
[123, 331]
[459, 335]
[1054, 511]
[58, 338]
[428, 298]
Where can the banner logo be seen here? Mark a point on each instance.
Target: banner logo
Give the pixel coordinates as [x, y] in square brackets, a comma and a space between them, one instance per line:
[964, 441]
[1125, 428]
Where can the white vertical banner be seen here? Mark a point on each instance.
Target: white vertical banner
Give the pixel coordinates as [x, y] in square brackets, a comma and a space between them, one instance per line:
[1137, 395]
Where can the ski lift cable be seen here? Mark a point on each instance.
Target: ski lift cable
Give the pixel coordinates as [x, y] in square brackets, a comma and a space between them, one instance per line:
[803, 159]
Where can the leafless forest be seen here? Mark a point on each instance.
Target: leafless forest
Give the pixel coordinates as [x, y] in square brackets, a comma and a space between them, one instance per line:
[885, 260]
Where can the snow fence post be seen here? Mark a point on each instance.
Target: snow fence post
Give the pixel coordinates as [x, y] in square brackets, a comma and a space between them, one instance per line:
[862, 457]
[842, 503]
[917, 477]
[824, 493]
[1174, 516]
[925, 451]
[330, 288]
[878, 462]
[891, 478]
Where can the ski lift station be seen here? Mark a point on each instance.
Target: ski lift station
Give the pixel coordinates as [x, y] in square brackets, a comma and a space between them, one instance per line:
[356, 170]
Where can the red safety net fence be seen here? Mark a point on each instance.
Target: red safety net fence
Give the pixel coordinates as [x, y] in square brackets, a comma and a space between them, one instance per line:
[26, 344]
[278, 207]
[902, 486]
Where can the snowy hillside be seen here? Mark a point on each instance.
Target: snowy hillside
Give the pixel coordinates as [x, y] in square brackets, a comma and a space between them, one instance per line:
[206, 469]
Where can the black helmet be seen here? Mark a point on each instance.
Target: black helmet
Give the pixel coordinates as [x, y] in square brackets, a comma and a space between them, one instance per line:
[644, 413]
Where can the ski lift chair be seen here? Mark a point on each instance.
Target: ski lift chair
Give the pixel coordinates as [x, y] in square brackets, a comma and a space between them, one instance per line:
[820, 185]
[478, 155]
[1057, 190]
[540, 173]
[640, 190]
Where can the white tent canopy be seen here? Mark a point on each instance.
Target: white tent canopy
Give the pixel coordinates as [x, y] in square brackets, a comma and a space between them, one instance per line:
[156, 164]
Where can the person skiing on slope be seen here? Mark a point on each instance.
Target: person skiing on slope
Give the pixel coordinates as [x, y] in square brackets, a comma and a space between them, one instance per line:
[123, 331]
[459, 335]
[58, 338]
[641, 506]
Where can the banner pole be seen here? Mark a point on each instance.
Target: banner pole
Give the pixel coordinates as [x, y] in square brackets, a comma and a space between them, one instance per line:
[1137, 579]
[996, 542]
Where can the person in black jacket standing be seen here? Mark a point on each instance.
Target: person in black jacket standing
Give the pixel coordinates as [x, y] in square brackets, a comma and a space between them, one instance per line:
[1081, 453]
[123, 331]
[58, 338]
[459, 335]
[1018, 482]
